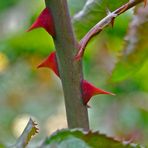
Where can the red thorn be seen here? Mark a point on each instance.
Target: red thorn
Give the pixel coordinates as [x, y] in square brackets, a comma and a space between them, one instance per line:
[50, 62]
[45, 21]
[89, 90]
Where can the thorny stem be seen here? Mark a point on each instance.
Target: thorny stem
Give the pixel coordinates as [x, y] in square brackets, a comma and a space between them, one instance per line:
[70, 70]
[102, 24]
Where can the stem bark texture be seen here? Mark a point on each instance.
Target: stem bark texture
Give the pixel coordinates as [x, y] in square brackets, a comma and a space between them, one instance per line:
[70, 70]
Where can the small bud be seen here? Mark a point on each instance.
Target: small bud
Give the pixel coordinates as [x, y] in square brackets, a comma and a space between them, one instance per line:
[45, 21]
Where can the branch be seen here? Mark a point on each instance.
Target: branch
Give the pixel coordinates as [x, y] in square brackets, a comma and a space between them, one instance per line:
[70, 71]
[102, 24]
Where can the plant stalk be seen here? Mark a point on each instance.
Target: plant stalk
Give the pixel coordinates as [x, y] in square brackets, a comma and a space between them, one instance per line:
[70, 70]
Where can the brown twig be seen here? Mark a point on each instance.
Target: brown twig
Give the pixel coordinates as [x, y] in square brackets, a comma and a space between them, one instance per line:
[104, 23]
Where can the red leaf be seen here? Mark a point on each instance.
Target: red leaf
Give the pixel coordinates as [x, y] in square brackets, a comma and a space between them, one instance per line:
[50, 62]
[45, 21]
[89, 90]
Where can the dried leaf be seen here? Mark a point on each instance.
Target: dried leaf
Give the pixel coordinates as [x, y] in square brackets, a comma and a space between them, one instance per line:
[29, 131]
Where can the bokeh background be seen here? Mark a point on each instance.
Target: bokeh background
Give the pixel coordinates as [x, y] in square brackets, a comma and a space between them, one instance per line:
[26, 91]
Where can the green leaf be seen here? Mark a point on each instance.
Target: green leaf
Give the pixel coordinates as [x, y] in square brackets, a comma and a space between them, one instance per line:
[27, 134]
[77, 139]
[74, 7]
[2, 146]
[135, 51]
[93, 12]
[6, 4]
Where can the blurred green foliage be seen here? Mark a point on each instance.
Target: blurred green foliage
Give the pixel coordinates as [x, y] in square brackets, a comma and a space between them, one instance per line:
[7, 4]
[92, 12]
[26, 91]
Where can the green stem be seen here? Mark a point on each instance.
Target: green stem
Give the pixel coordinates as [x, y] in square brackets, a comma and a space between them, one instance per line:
[70, 71]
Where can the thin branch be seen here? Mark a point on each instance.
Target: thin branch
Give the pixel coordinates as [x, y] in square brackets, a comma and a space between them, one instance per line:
[102, 24]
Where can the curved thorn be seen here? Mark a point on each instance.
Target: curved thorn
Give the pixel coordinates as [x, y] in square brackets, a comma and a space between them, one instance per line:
[45, 21]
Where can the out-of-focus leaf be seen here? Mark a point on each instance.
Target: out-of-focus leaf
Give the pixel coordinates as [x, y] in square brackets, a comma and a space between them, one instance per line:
[135, 52]
[27, 134]
[2, 146]
[36, 42]
[75, 5]
[93, 12]
[78, 139]
[5, 4]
